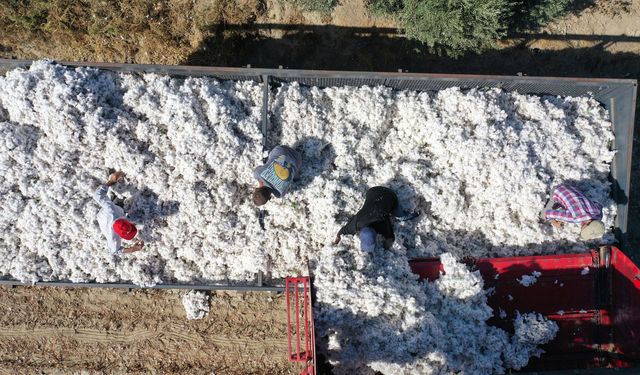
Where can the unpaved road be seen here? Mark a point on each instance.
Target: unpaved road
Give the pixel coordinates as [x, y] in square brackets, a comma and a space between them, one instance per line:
[51, 330]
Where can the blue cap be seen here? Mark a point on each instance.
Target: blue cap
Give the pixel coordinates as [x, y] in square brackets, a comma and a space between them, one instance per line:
[367, 239]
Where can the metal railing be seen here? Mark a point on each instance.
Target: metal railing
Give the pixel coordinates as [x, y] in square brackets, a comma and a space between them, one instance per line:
[300, 341]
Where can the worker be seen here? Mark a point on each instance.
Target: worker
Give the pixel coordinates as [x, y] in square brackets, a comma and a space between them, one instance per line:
[374, 218]
[569, 205]
[276, 175]
[113, 221]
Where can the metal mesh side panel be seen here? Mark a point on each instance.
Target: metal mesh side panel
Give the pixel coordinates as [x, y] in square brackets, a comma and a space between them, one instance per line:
[238, 74]
[621, 105]
[221, 77]
[5, 68]
[521, 85]
[330, 81]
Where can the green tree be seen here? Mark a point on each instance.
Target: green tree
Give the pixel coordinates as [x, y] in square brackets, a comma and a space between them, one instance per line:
[533, 14]
[385, 7]
[454, 27]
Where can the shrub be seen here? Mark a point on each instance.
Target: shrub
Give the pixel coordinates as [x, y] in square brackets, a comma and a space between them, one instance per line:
[454, 27]
[26, 14]
[323, 6]
[533, 14]
[385, 7]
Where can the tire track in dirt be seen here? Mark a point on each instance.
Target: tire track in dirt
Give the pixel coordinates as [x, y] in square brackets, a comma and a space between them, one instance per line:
[113, 337]
[62, 331]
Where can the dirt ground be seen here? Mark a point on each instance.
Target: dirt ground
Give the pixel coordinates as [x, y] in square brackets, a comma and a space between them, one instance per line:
[56, 331]
[109, 331]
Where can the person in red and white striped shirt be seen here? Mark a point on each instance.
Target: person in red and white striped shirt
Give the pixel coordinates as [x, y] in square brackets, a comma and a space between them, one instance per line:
[569, 205]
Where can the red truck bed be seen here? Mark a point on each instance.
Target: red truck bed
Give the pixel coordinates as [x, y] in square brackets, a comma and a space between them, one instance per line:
[594, 298]
[598, 311]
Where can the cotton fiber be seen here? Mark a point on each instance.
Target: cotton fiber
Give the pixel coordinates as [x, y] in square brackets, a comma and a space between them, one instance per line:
[187, 147]
[478, 165]
[376, 316]
[196, 304]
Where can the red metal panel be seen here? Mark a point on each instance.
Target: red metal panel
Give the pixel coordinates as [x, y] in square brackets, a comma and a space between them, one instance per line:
[626, 304]
[427, 268]
[598, 312]
[556, 289]
[561, 286]
[575, 345]
[302, 331]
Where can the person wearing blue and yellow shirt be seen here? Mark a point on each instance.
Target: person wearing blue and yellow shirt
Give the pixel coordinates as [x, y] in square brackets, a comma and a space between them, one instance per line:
[276, 175]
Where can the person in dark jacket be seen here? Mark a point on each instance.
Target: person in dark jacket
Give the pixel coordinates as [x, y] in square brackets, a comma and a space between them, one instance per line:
[374, 218]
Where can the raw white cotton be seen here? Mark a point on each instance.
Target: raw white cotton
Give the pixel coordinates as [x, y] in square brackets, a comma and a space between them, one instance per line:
[531, 330]
[479, 165]
[528, 280]
[376, 316]
[196, 304]
[187, 146]
[560, 312]
[585, 271]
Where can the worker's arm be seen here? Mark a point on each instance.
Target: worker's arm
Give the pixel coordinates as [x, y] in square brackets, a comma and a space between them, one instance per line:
[385, 229]
[579, 219]
[349, 228]
[559, 215]
[337, 240]
[100, 195]
[114, 244]
[132, 249]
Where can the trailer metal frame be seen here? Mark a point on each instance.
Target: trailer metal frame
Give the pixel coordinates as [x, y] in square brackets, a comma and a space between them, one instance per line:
[225, 287]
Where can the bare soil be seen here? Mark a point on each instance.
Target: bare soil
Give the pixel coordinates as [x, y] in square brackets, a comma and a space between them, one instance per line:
[51, 330]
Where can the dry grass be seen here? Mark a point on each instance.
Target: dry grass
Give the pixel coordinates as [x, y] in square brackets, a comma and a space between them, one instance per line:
[137, 31]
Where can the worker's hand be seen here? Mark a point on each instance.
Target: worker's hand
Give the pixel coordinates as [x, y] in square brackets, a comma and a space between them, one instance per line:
[337, 240]
[132, 249]
[115, 177]
[557, 224]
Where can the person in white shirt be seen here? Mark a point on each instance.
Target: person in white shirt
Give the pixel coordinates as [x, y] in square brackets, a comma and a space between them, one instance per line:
[113, 221]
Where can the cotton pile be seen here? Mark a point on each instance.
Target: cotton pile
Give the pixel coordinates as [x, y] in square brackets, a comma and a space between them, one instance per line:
[196, 304]
[187, 147]
[376, 316]
[528, 280]
[479, 165]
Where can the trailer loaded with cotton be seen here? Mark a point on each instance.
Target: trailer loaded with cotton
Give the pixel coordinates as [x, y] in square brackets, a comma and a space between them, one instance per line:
[476, 283]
